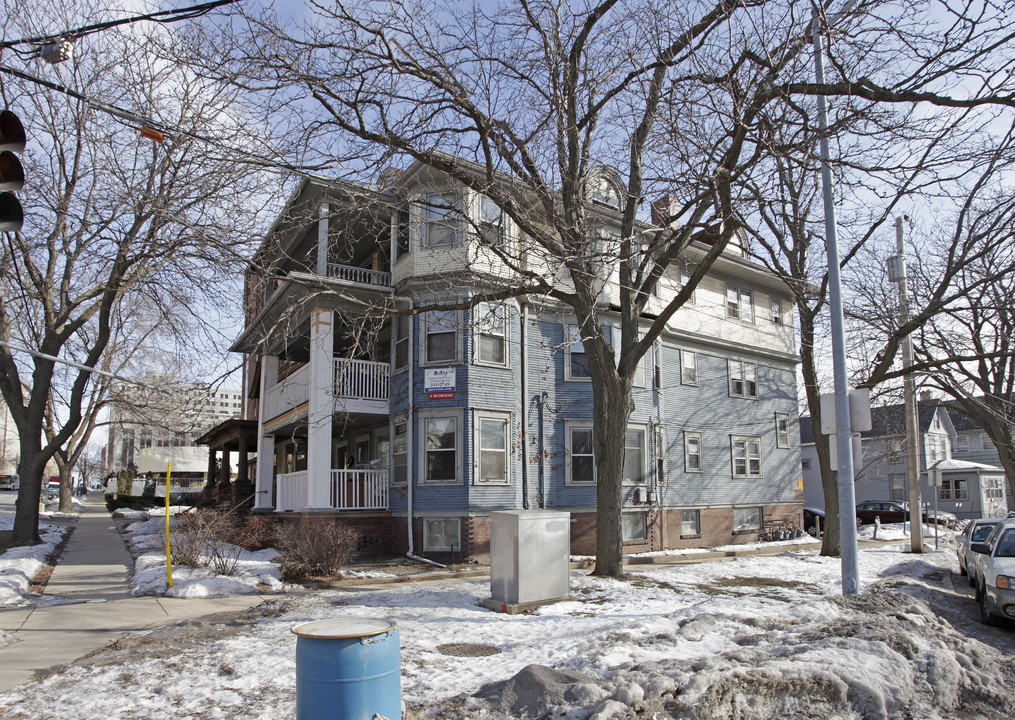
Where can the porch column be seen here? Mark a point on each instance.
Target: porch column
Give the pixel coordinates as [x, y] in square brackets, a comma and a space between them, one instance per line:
[321, 407]
[209, 482]
[243, 488]
[265, 480]
[322, 241]
[224, 469]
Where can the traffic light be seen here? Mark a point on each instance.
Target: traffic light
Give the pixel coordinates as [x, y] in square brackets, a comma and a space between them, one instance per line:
[12, 175]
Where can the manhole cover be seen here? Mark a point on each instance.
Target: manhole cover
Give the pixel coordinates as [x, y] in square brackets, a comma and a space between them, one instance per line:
[467, 650]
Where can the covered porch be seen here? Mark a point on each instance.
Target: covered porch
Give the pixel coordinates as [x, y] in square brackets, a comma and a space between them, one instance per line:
[352, 489]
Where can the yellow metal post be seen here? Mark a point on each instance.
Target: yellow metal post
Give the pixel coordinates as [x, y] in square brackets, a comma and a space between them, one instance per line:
[169, 555]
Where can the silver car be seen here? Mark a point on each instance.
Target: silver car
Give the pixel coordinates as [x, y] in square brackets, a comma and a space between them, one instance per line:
[975, 531]
[995, 573]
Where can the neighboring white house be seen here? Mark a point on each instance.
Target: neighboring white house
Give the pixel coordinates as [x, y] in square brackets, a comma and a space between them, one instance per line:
[969, 489]
[416, 435]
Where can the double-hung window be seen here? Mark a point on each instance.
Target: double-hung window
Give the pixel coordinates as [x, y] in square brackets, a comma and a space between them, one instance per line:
[490, 321]
[403, 241]
[776, 305]
[657, 367]
[576, 363]
[438, 222]
[440, 450]
[400, 341]
[491, 223]
[739, 303]
[690, 523]
[660, 441]
[581, 462]
[493, 432]
[692, 452]
[743, 379]
[634, 455]
[746, 456]
[782, 430]
[688, 367]
[400, 454]
[441, 336]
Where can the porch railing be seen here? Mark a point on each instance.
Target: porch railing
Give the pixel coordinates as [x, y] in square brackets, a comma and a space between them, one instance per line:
[349, 490]
[361, 379]
[363, 276]
[291, 392]
[359, 489]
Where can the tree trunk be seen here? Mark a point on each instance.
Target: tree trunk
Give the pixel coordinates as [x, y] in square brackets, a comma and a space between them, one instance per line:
[26, 514]
[66, 489]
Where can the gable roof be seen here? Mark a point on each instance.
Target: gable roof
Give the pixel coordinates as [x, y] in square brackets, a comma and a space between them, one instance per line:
[886, 421]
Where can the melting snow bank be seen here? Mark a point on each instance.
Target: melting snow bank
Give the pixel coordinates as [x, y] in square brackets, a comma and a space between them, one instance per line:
[20, 565]
[887, 656]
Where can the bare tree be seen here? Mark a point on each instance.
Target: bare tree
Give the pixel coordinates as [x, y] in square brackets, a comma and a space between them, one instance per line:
[112, 222]
[527, 102]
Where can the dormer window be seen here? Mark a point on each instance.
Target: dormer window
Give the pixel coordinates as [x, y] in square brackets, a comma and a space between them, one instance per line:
[604, 188]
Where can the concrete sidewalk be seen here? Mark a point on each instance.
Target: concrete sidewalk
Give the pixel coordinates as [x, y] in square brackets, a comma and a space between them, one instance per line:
[92, 605]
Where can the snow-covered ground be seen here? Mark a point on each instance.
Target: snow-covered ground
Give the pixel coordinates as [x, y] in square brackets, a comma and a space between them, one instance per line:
[747, 637]
[20, 565]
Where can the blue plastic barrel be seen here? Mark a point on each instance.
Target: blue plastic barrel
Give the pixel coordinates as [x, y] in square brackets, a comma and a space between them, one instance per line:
[349, 669]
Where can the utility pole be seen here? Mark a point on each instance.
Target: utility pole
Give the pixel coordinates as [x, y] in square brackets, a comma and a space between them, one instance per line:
[897, 273]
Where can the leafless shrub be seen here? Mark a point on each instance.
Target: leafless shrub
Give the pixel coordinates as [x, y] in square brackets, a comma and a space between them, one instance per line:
[313, 552]
[205, 537]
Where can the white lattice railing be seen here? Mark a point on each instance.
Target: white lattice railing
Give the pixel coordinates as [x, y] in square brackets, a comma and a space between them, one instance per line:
[359, 489]
[288, 394]
[363, 276]
[291, 491]
[361, 379]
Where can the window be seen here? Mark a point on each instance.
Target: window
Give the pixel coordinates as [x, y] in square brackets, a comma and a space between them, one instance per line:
[576, 363]
[746, 457]
[491, 333]
[400, 331]
[782, 430]
[634, 526]
[746, 519]
[776, 305]
[634, 455]
[442, 535]
[440, 457]
[403, 244]
[441, 344]
[493, 450]
[438, 222]
[688, 367]
[690, 523]
[743, 379]
[657, 367]
[961, 443]
[692, 452]
[660, 441]
[739, 303]
[581, 462]
[683, 278]
[954, 490]
[806, 464]
[491, 222]
[400, 454]
[897, 484]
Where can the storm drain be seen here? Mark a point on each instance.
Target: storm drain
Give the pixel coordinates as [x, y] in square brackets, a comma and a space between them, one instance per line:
[467, 650]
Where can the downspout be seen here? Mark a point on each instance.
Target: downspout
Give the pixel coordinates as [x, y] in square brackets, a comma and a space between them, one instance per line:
[542, 496]
[525, 415]
[409, 436]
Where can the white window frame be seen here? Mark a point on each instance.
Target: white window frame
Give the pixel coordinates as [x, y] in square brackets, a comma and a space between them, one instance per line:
[437, 210]
[739, 303]
[696, 523]
[748, 443]
[643, 480]
[432, 317]
[480, 450]
[745, 373]
[485, 224]
[572, 337]
[657, 367]
[775, 305]
[397, 340]
[660, 454]
[485, 318]
[643, 518]
[684, 277]
[569, 427]
[782, 430]
[425, 419]
[452, 529]
[751, 509]
[897, 487]
[685, 377]
[689, 438]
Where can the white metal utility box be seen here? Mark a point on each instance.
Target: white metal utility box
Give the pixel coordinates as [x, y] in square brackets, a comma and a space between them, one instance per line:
[530, 555]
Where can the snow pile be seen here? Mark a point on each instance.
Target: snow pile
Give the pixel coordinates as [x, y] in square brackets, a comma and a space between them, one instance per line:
[20, 565]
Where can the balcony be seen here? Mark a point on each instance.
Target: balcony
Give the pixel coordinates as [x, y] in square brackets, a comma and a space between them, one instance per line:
[357, 386]
[348, 490]
[360, 276]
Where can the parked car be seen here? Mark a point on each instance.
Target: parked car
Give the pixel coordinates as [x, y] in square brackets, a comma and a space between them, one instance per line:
[897, 512]
[995, 573]
[975, 531]
[814, 521]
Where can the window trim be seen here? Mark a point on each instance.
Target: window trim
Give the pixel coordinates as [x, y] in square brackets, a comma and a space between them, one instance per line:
[402, 232]
[572, 337]
[447, 208]
[740, 306]
[644, 521]
[482, 311]
[684, 380]
[782, 434]
[775, 308]
[697, 524]
[644, 480]
[661, 461]
[397, 340]
[747, 440]
[424, 339]
[693, 435]
[657, 367]
[425, 416]
[426, 534]
[479, 418]
[761, 519]
[569, 427]
[746, 369]
[482, 224]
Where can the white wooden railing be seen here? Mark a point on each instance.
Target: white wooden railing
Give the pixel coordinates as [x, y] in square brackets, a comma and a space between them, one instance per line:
[364, 276]
[359, 489]
[361, 379]
[291, 491]
[288, 394]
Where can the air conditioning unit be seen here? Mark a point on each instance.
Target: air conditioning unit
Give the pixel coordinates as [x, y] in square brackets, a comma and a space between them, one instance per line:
[641, 495]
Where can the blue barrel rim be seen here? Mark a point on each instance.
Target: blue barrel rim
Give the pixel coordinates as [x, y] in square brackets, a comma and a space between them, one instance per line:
[306, 631]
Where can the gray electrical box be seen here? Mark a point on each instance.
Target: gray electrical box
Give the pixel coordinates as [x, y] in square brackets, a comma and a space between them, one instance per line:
[530, 556]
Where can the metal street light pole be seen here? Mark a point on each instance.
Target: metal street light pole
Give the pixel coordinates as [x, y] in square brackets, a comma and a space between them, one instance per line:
[843, 430]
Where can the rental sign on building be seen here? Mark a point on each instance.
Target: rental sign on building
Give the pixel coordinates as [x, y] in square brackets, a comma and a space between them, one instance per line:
[439, 383]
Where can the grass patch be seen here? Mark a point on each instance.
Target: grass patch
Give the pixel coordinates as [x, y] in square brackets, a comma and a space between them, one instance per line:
[741, 586]
[645, 582]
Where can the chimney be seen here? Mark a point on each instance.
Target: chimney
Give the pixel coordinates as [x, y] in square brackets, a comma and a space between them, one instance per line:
[663, 210]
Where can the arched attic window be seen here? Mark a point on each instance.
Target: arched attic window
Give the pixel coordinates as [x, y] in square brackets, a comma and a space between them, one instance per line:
[605, 188]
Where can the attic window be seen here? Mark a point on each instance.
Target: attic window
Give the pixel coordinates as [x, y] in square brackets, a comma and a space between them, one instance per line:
[602, 191]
